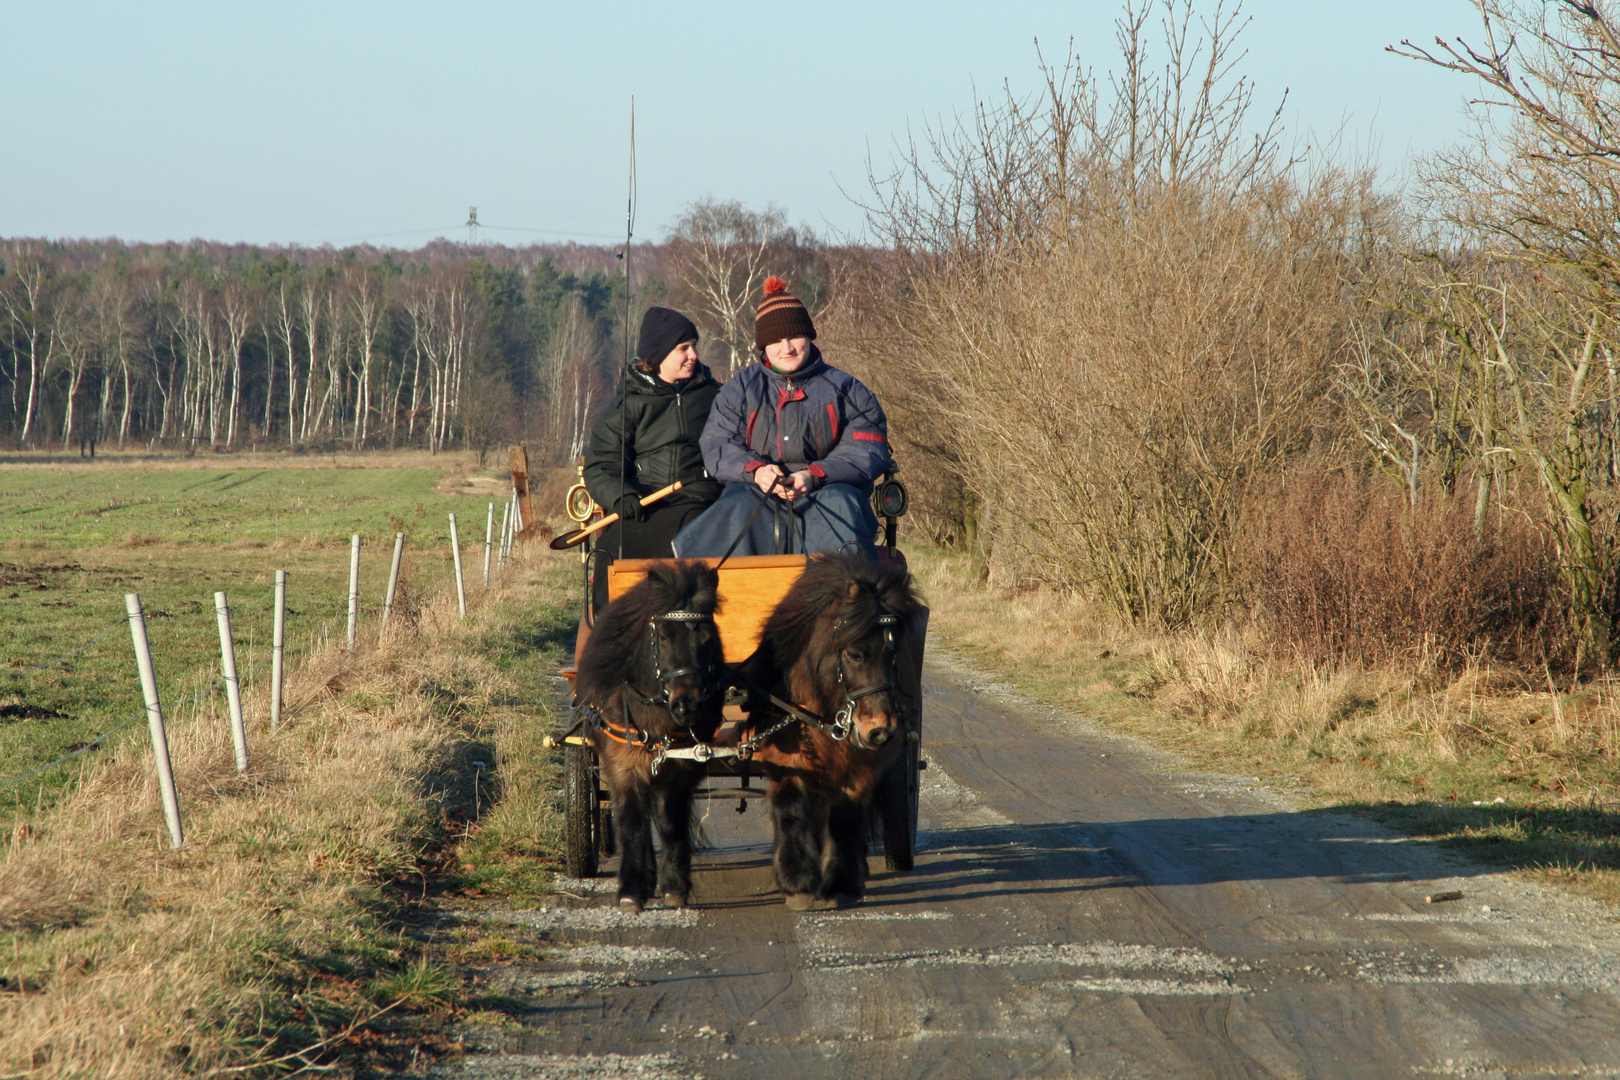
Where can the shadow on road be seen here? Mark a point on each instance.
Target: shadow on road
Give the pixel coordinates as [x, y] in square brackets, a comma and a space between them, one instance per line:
[1006, 860]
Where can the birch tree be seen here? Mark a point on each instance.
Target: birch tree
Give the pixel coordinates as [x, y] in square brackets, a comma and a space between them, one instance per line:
[721, 253]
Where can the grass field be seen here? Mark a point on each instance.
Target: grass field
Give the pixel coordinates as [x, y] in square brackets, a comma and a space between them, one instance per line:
[285, 936]
[74, 538]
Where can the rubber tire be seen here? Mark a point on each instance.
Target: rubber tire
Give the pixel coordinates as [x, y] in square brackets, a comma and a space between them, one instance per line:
[581, 811]
[897, 810]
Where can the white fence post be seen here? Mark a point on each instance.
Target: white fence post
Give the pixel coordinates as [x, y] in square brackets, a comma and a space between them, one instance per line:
[393, 581]
[506, 520]
[354, 587]
[154, 717]
[489, 537]
[233, 687]
[278, 642]
[455, 553]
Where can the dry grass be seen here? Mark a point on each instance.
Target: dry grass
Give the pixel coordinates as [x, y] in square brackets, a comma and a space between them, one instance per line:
[269, 932]
[1506, 765]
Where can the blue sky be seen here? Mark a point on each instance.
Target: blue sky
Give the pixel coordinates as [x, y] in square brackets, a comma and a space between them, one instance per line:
[344, 121]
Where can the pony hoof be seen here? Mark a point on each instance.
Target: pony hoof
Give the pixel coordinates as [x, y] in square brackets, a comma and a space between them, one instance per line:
[674, 900]
[630, 904]
[800, 901]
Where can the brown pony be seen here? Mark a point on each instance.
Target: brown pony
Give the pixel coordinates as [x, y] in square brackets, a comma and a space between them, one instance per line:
[650, 681]
[828, 649]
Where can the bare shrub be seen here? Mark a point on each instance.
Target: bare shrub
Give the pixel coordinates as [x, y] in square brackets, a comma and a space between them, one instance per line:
[1106, 318]
[1341, 569]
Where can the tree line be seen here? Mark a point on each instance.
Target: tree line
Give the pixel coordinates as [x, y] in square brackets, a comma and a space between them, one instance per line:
[220, 346]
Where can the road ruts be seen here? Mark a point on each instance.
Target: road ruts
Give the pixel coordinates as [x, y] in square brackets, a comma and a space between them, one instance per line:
[1079, 908]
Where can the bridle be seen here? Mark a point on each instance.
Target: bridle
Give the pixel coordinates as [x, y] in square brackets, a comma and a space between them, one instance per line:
[665, 678]
[844, 721]
[680, 743]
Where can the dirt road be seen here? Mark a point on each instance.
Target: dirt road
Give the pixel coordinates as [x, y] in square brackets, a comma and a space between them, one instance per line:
[1079, 908]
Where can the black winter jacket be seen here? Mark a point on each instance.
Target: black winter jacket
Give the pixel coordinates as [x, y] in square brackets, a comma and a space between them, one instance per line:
[659, 423]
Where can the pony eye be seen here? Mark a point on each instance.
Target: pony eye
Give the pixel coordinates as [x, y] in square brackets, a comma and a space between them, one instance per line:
[855, 655]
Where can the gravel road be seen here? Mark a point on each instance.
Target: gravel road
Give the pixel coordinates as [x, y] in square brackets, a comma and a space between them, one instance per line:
[1081, 906]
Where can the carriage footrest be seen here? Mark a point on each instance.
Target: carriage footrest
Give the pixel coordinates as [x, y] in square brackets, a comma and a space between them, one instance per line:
[728, 793]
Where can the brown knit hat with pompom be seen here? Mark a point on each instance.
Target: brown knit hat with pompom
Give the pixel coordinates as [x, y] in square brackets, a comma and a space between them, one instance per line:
[782, 315]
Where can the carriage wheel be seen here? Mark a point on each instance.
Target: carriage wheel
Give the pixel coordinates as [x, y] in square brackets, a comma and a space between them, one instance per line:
[581, 813]
[897, 809]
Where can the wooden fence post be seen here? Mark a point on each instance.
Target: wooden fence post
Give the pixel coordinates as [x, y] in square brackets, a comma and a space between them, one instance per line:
[233, 687]
[154, 718]
[519, 458]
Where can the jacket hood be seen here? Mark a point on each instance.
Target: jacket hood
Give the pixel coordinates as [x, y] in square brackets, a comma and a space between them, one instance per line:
[812, 367]
[637, 381]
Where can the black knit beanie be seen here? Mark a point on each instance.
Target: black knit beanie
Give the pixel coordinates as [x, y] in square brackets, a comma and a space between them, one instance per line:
[782, 315]
[662, 329]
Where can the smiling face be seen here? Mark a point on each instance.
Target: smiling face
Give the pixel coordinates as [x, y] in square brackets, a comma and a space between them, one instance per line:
[789, 354]
[681, 363]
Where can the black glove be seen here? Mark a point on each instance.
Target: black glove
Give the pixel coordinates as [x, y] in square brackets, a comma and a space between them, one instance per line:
[630, 508]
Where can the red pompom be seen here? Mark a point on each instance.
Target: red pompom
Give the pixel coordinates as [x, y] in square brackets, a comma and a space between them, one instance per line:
[774, 285]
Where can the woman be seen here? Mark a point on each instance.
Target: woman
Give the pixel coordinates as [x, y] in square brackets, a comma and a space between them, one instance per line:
[647, 440]
[798, 444]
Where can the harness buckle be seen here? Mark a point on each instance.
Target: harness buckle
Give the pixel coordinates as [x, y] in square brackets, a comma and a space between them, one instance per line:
[843, 722]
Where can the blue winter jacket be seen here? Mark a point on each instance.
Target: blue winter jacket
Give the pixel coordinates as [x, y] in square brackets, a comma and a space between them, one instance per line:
[818, 418]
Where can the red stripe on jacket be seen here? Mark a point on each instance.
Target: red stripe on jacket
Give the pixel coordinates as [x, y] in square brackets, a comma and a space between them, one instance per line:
[869, 436]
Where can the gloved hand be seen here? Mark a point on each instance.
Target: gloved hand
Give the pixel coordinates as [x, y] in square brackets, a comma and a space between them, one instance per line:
[630, 508]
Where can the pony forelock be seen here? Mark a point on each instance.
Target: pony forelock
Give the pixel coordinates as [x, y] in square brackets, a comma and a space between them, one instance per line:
[621, 628]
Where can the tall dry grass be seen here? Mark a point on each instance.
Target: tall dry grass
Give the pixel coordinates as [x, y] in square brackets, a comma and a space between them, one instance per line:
[1516, 767]
[268, 932]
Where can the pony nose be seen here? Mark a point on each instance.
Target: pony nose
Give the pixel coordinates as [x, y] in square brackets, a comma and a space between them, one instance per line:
[878, 736]
[681, 709]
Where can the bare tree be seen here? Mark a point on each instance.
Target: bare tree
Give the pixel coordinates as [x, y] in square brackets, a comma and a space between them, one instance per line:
[1124, 307]
[1539, 186]
[720, 254]
[26, 297]
[367, 301]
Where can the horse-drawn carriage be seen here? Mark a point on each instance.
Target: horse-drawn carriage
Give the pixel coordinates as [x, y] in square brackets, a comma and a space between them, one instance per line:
[736, 767]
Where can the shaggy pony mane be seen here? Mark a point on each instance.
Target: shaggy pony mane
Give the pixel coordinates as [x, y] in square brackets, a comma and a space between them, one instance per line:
[855, 584]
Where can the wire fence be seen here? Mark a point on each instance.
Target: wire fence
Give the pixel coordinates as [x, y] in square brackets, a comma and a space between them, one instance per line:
[314, 637]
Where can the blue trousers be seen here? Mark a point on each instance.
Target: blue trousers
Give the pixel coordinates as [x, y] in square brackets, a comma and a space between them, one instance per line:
[824, 520]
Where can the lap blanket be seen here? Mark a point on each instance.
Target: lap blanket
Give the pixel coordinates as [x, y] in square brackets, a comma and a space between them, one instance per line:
[824, 520]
